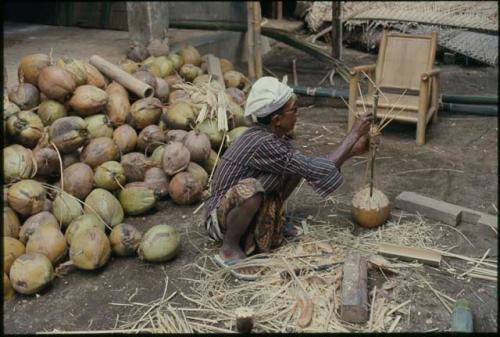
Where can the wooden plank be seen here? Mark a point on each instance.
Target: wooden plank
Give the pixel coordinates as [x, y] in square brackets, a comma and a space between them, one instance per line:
[481, 218]
[423, 255]
[288, 25]
[214, 69]
[354, 307]
[428, 207]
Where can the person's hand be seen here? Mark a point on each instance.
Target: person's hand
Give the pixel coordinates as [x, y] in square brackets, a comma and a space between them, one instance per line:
[361, 146]
[362, 124]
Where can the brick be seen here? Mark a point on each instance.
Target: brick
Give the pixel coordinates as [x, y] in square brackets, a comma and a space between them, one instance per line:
[354, 306]
[434, 209]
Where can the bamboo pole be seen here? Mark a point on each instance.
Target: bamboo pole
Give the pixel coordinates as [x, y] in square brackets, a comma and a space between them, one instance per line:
[257, 38]
[279, 10]
[112, 71]
[336, 29]
[250, 42]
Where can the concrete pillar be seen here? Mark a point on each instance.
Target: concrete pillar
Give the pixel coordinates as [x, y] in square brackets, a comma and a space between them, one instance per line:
[147, 20]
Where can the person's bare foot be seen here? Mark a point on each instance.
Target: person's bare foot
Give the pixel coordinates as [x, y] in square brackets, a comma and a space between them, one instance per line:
[228, 252]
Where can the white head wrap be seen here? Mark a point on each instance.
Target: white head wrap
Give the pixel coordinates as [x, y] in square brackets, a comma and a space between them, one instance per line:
[267, 95]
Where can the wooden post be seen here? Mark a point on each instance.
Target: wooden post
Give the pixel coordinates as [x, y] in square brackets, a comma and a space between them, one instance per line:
[257, 38]
[250, 41]
[353, 97]
[147, 20]
[337, 29]
[279, 10]
[354, 307]
[423, 105]
[214, 69]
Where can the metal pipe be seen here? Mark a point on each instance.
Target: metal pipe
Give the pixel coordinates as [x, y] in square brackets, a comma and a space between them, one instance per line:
[484, 110]
[469, 99]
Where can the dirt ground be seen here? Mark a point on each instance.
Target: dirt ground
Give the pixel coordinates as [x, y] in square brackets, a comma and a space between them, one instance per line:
[458, 164]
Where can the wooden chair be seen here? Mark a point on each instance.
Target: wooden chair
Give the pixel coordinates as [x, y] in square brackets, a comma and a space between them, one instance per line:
[404, 63]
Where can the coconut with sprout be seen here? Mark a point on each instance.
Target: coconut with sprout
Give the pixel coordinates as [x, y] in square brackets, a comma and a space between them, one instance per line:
[11, 223]
[83, 222]
[99, 126]
[56, 83]
[49, 241]
[12, 249]
[51, 110]
[18, 163]
[66, 208]
[125, 138]
[105, 205]
[30, 66]
[26, 128]
[190, 55]
[184, 189]
[34, 222]
[88, 100]
[69, 133]
[27, 197]
[159, 244]
[198, 145]
[150, 138]
[125, 239]
[176, 157]
[179, 115]
[78, 180]
[25, 95]
[30, 273]
[100, 150]
[135, 165]
[109, 175]
[90, 249]
[370, 211]
[144, 112]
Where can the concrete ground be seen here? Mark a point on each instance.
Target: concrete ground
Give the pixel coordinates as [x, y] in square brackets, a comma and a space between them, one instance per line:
[458, 164]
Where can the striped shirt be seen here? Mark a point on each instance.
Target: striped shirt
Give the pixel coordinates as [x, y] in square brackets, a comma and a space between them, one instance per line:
[261, 154]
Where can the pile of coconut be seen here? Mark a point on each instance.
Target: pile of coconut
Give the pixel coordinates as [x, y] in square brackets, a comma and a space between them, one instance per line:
[82, 153]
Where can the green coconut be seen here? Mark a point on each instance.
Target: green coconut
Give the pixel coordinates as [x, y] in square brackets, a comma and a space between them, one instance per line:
[34, 222]
[30, 273]
[51, 110]
[18, 163]
[125, 239]
[157, 155]
[83, 222]
[75, 67]
[235, 134]
[66, 208]
[109, 175]
[49, 241]
[165, 65]
[179, 115]
[12, 249]
[137, 200]
[209, 164]
[198, 173]
[99, 126]
[176, 60]
[159, 244]
[27, 197]
[189, 72]
[90, 249]
[209, 127]
[105, 205]
[11, 224]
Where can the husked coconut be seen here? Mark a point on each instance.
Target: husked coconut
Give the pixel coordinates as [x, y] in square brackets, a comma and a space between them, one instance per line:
[94, 76]
[78, 180]
[109, 175]
[150, 138]
[34, 222]
[144, 112]
[25, 96]
[30, 273]
[51, 110]
[56, 83]
[185, 189]
[125, 138]
[18, 163]
[27, 197]
[76, 68]
[137, 200]
[88, 100]
[100, 150]
[49, 241]
[135, 165]
[83, 222]
[105, 205]
[26, 127]
[90, 249]
[118, 105]
[69, 133]
[190, 55]
[125, 239]
[198, 145]
[209, 127]
[99, 126]
[198, 173]
[179, 115]
[66, 208]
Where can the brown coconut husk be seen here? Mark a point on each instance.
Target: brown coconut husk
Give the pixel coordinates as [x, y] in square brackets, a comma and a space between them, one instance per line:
[185, 189]
[11, 224]
[27, 197]
[94, 76]
[135, 165]
[150, 138]
[75, 67]
[50, 110]
[144, 112]
[176, 135]
[25, 95]
[189, 72]
[30, 66]
[70, 159]
[125, 138]
[198, 173]
[31, 224]
[190, 55]
[118, 105]
[198, 145]
[125, 239]
[90, 249]
[176, 158]
[78, 180]
[69, 133]
[99, 150]
[88, 100]
[49, 241]
[179, 115]
[162, 89]
[56, 83]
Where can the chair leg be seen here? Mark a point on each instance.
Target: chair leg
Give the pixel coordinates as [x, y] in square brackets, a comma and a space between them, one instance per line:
[421, 132]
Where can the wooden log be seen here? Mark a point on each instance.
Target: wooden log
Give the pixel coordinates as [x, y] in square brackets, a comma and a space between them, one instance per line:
[112, 71]
[435, 209]
[244, 319]
[354, 307]
[423, 255]
[214, 69]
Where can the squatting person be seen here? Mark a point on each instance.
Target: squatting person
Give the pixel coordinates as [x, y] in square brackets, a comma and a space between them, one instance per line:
[260, 170]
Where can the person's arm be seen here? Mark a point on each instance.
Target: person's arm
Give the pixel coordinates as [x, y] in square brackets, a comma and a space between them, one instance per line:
[356, 141]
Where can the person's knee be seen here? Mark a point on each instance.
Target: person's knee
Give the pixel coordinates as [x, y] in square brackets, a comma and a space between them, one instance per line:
[254, 202]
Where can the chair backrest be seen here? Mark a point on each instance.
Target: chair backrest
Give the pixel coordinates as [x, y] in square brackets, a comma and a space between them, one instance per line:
[402, 59]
